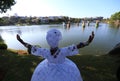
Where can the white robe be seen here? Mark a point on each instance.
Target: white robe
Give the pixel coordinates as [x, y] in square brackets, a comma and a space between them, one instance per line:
[56, 69]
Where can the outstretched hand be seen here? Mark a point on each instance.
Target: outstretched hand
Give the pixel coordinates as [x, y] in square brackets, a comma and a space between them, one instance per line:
[83, 44]
[24, 43]
[91, 37]
[18, 38]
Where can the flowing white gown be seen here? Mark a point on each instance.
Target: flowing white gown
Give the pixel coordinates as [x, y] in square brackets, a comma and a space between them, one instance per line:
[56, 69]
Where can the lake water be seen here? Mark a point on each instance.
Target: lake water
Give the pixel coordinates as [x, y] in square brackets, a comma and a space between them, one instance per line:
[106, 37]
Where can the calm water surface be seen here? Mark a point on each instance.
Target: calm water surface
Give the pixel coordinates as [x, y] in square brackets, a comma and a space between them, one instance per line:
[106, 37]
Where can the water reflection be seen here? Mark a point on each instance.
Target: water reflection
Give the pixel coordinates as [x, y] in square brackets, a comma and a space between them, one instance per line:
[105, 37]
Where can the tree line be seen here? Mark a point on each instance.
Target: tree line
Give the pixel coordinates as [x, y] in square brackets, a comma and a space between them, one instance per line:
[20, 20]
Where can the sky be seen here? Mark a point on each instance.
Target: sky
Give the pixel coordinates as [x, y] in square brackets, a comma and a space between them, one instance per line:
[71, 8]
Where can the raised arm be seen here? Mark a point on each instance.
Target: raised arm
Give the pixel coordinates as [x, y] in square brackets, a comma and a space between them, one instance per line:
[83, 44]
[24, 43]
[34, 50]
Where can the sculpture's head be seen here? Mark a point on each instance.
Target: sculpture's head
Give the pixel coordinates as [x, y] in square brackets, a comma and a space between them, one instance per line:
[53, 37]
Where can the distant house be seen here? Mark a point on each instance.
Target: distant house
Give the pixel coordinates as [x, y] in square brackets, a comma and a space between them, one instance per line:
[98, 18]
[44, 20]
[47, 19]
[51, 17]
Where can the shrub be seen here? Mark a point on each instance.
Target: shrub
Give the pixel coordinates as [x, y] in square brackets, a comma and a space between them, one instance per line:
[3, 46]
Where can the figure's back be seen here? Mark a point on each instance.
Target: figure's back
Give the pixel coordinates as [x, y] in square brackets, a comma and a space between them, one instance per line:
[57, 67]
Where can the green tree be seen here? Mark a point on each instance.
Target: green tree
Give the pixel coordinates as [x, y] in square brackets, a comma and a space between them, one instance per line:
[115, 16]
[2, 44]
[115, 19]
[6, 4]
[1, 40]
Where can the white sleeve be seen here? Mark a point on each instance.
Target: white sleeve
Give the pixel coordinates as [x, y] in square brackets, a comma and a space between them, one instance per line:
[37, 51]
[70, 50]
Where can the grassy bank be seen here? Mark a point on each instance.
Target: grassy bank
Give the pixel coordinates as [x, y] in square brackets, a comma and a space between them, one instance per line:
[14, 67]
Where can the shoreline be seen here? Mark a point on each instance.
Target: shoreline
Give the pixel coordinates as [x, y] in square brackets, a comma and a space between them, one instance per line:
[20, 51]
